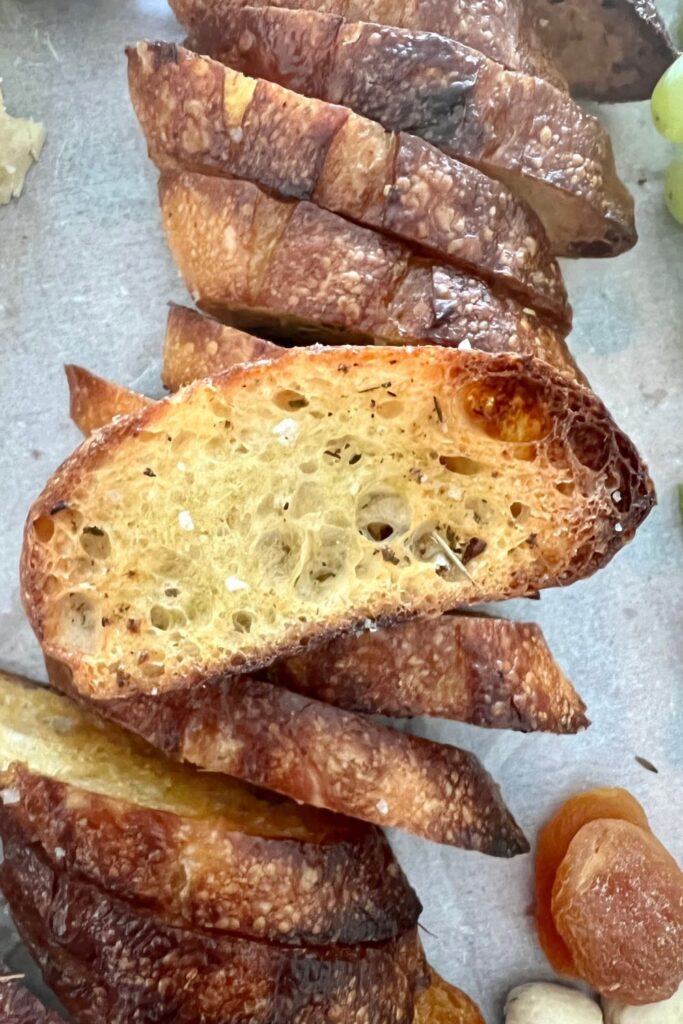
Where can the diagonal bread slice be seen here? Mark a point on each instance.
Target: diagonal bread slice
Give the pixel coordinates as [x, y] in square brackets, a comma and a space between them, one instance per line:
[217, 530]
[199, 851]
[110, 960]
[94, 401]
[610, 52]
[470, 668]
[18, 1005]
[516, 128]
[198, 346]
[502, 29]
[293, 270]
[475, 669]
[198, 115]
[324, 756]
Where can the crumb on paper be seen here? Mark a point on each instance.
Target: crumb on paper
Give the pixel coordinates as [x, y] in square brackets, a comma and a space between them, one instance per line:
[21, 141]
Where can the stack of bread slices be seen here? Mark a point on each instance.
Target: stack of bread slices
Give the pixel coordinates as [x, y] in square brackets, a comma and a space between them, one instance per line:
[375, 425]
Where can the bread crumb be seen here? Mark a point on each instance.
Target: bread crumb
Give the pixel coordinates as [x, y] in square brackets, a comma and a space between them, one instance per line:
[21, 141]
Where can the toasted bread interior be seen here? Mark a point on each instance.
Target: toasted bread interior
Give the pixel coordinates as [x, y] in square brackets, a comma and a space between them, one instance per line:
[286, 500]
[53, 736]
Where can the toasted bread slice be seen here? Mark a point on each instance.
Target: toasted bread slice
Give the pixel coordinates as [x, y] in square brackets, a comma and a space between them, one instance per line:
[107, 807]
[502, 29]
[469, 668]
[475, 669]
[292, 269]
[198, 346]
[326, 757]
[18, 1005]
[442, 1003]
[218, 529]
[198, 115]
[608, 51]
[94, 400]
[516, 128]
[109, 960]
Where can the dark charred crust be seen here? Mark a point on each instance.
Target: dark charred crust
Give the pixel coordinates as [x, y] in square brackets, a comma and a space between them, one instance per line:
[86, 942]
[18, 1005]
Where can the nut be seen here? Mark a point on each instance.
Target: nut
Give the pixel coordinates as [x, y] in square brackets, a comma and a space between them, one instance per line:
[670, 1011]
[545, 1003]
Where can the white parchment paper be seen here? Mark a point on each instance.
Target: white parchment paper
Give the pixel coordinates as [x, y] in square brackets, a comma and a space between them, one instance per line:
[85, 277]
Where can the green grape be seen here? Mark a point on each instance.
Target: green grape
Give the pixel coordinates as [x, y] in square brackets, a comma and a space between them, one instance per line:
[667, 103]
[673, 189]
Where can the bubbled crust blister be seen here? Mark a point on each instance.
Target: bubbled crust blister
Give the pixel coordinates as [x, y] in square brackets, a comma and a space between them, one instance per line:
[502, 29]
[200, 116]
[323, 756]
[515, 127]
[200, 873]
[108, 961]
[485, 671]
[299, 269]
[563, 456]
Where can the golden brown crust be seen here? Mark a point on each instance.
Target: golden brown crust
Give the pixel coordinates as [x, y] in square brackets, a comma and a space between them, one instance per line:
[326, 757]
[197, 346]
[199, 873]
[18, 1005]
[196, 116]
[516, 128]
[442, 1003]
[94, 401]
[609, 52]
[109, 962]
[485, 671]
[502, 30]
[318, 271]
[611, 492]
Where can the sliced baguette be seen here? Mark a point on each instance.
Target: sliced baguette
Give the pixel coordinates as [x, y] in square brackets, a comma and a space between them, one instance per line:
[609, 51]
[198, 346]
[295, 271]
[108, 808]
[110, 961]
[502, 29]
[326, 757]
[94, 400]
[516, 128]
[18, 1005]
[217, 530]
[198, 115]
[485, 671]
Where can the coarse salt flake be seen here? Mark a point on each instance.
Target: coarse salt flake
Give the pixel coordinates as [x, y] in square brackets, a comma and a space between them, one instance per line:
[9, 797]
[185, 520]
[233, 583]
[382, 806]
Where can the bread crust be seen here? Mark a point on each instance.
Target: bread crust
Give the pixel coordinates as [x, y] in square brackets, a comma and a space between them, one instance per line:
[200, 874]
[195, 116]
[485, 671]
[109, 961]
[442, 1003]
[321, 755]
[197, 346]
[94, 401]
[214, 856]
[612, 52]
[318, 275]
[514, 127]
[504, 31]
[612, 492]
[18, 1005]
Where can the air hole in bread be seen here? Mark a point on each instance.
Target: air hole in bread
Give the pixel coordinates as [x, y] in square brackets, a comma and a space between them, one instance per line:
[566, 487]
[44, 528]
[389, 410]
[310, 466]
[439, 544]
[278, 552]
[289, 400]
[519, 511]
[242, 621]
[95, 542]
[79, 623]
[590, 446]
[164, 618]
[508, 410]
[461, 464]
[383, 515]
[326, 562]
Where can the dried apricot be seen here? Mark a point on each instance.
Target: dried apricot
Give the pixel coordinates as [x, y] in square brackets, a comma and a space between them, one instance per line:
[553, 843]
[442, 1003]
[617, 902]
